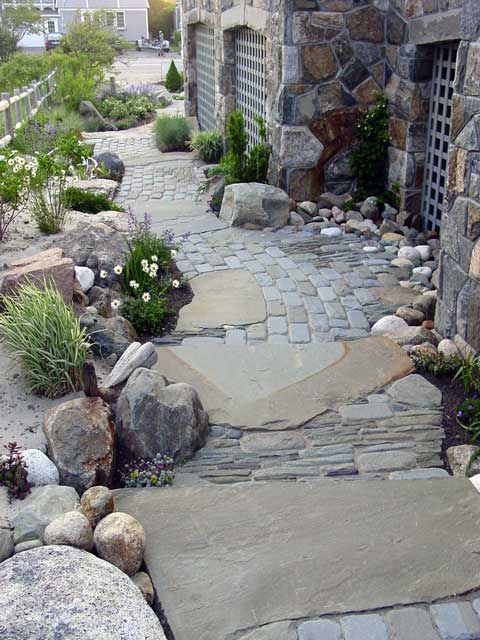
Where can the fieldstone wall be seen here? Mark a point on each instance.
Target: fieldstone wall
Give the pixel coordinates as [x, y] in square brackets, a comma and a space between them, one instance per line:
[458, 309]
[326, 59]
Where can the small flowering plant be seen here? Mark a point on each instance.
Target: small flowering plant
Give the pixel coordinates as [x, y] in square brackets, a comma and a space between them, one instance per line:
[149, 472]
[16, 172]
[13, 472]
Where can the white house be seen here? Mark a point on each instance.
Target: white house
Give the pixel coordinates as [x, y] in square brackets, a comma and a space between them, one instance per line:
[128, 17]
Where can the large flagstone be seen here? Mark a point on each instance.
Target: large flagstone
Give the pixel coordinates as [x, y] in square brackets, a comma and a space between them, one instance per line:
[222, 298]
[230, 558]
[272, 386]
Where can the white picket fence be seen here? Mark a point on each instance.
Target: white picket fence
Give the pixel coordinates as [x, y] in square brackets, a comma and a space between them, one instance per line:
[25, 102]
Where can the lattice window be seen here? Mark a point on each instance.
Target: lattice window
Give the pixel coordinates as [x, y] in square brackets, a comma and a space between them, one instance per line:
[250, 72]
[435, 184]
[205, 46]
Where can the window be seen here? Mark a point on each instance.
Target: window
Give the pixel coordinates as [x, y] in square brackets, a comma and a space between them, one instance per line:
[51, 26]
[120, 20]
[110, 19]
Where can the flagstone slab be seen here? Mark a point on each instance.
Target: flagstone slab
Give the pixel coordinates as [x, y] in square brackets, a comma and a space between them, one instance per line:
[281, 386]
[222, 298]
[230, 558]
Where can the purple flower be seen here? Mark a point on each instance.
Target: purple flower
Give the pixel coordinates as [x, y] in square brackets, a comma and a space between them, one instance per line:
[459, 414]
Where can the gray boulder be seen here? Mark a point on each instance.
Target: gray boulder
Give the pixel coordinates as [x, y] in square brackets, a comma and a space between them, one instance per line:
[80, 440]
[41, 470]
[41, 507]
[369, 208]
[6, 544]
[153, 416]
[85, 277]
[108, 336]
[111, 164]
[137, 355]
[60, 592]
[255, 205]
[90, 112]
[100, 186]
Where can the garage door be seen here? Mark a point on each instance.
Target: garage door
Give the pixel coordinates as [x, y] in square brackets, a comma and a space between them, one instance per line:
[250, 77]
[205, 48]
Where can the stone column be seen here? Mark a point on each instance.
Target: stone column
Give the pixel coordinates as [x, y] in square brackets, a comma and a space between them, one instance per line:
[458, 308]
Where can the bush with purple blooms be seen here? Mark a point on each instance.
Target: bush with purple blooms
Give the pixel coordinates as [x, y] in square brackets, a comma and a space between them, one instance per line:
[13, 472]
[148, 472]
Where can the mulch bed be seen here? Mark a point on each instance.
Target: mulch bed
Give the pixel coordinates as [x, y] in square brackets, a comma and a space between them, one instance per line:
[453, 396]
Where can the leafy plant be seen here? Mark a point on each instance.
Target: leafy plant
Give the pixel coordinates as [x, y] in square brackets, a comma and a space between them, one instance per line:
[171, 132]
[41, 134]
[369, 160]
[80, 200]
[208, 145]
[15, 176]
[14, 473]
[173, 80]
[21, 69]
[17, 20]
[438, 365]
[145, 313]
[149, 472]
[469, 374]
[44, 335]
[239, 164]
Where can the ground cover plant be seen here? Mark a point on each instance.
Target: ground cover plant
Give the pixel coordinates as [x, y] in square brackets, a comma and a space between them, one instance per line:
[88, 202]
[127, 109]
[172, 133]
[43, 334]
[148, 472]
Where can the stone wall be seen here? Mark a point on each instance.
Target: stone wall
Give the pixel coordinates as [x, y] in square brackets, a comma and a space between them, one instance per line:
[458, 309]
[326, 60]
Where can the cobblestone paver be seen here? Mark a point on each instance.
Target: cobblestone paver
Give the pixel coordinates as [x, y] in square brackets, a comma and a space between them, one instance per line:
[455, 620]
[378, 437]
[316, 290]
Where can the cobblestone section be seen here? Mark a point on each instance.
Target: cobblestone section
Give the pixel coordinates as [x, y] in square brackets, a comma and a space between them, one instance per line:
[150, 177]
[316, 289]
[454, 620]
[396, 433]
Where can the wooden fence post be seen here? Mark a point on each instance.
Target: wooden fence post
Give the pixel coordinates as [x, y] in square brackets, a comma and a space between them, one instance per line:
[18, 107]
[34, 95]
[8, 115]
[113, 86]
[28, 106]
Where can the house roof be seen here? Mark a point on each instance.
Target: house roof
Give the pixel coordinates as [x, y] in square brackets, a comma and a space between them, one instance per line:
[74, 5]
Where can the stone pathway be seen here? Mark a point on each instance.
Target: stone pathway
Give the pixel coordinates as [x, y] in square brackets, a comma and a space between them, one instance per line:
[269, 532]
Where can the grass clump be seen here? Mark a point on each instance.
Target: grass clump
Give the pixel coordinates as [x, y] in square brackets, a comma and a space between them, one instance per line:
[88, 202]
[208, 145]
[172, 133]
[43, 334]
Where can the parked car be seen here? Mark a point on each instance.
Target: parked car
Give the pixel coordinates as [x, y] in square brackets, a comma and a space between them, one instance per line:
[52, 40]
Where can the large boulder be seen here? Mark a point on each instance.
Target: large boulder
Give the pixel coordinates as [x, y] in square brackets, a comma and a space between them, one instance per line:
[90, 112]
[108, 336]
[137, 355]
[6, 543]
[120, 539]
[41, 470]
[111, 164]
[60, 592]
[80, 440]
[73, 528]
[42, 506]
[255, 205]
[155, 417]
[47, 266]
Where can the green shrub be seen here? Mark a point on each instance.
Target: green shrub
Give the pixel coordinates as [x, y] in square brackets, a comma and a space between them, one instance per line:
[208, 145]
[173, 80]
[88, 202]
[41, 134]
[172, 133]
[148, 316]
[21, 69]
[147, 254]
[44, 335]
[239, 164]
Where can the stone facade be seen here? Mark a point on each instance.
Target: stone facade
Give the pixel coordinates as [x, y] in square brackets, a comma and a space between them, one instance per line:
[458, 310]
[325, 60]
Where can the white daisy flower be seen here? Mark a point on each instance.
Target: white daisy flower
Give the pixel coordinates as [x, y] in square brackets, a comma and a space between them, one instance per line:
[154, 258]
[103, 274]
[146, 297]
[175, 284]
[118, 269]
[134, 284]
[116, 304]
[2, 158]
[10, 162]
[16, 169]
[173, 253]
